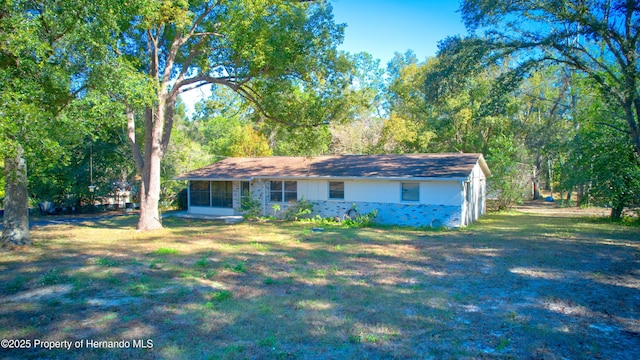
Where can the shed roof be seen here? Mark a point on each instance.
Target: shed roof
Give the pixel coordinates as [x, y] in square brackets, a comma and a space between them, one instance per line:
[436, 166]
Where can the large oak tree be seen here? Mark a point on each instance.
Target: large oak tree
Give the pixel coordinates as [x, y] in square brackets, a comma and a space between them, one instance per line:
[278, 54]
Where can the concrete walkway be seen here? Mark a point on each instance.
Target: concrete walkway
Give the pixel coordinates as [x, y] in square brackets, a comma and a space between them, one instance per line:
[228, 219]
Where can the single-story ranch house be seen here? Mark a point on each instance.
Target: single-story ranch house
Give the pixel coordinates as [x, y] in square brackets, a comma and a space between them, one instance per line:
[413, 189]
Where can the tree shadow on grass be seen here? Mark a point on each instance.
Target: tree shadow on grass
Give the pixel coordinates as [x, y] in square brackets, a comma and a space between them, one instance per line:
[200, 289]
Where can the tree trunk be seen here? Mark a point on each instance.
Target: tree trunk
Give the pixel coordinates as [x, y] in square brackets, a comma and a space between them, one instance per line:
[536, 177]
[16, 202]
[150, 169]
[150, 194]
[616, 212]
[580, 194]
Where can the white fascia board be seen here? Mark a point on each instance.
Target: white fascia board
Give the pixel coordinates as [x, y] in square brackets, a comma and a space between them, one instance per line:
[338, 178]
[217, 179]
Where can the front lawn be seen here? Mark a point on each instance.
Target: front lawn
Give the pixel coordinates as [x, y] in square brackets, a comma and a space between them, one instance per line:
[513, 285]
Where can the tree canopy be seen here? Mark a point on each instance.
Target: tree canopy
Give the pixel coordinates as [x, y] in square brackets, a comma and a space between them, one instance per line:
[599, 39]
[53, 55]
[277, 54]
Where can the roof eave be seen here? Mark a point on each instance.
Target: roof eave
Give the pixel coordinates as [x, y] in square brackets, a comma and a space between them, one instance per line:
[484, 166]
[377, 178]
[189, 178]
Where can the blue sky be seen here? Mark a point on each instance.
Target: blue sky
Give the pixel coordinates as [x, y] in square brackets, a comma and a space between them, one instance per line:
[384, 27]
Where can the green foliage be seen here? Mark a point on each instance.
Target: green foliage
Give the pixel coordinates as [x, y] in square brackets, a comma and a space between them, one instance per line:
[51, 55]
[222, 125]
[55, 64]
[51, 277]
[238, 267]
[106, 262]
[221, 295]
[300, 141]
[402, 136]
[585, 37]
[299, 210]
[604, 163]
[251, 207]
[166, 251]
[66, 182]
[361, 220]
[203, 262]
[275, 208]
[510, 180]
[2, 183]
[306, 208]
[16, 283]
[438, 106]
[364, 106]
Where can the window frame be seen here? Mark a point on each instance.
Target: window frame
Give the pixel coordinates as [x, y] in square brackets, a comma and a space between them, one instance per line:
[200, 193]
[221, 194]
[404, 191]
[468, 196]
[248, 189]
[334, 190]
[286, 191]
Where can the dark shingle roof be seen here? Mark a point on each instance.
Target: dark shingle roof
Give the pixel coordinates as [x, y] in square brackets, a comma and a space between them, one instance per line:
[451, 165]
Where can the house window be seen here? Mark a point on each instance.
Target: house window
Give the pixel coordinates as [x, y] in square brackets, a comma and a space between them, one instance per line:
[222, 194]
[284, 191]
[245, 190]
[336, 190]
[199, 193]
[410, 192]
[290, 191]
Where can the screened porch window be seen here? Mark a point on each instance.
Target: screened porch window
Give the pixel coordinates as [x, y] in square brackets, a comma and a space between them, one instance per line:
[199, 193]
[211, 194]
[222, 194]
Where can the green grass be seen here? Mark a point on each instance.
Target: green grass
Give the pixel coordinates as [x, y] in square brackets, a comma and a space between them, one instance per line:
[16, 283]
[221, 295]
[166, 251]
[106, 262]
[202, 262]
[515, 285]
[52, 277]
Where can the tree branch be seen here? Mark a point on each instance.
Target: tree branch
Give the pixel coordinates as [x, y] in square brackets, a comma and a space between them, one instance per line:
[207, 34]
[131, 135]
[153, 50]
[613, 127]
[168, 123]
[185, 67]
[201, 18]
[250, 95]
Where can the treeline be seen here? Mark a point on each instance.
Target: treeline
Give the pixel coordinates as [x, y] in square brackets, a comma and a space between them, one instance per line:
[554, 131]
[551, 100]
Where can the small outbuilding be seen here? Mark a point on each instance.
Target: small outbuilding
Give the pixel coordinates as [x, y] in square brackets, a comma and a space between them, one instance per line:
[411, 189]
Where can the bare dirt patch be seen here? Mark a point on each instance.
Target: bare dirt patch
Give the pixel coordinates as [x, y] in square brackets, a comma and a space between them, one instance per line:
[544, 284]
[541, 207]
[553, 208]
